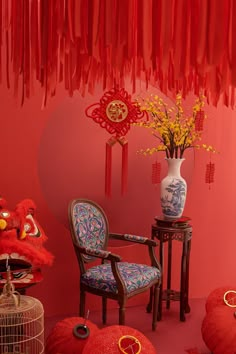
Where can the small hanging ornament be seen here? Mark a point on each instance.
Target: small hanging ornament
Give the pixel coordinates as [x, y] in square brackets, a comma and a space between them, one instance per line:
[210, 172]
[115, 112]
[199, 119]
[156, 172]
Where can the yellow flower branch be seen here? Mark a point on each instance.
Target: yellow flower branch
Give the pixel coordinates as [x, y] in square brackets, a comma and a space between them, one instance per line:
[175, 131]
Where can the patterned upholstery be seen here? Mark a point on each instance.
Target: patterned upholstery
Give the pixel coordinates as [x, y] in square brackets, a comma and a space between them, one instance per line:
[89, 225]
[135, 276]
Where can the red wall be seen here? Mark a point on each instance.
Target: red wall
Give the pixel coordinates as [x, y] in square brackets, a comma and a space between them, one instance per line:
[56, 154]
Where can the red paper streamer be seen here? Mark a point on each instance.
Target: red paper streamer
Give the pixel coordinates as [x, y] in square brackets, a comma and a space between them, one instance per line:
[83, 43]
[210, 172]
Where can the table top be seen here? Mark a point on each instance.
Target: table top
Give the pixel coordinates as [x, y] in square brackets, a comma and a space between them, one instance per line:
[182, 222]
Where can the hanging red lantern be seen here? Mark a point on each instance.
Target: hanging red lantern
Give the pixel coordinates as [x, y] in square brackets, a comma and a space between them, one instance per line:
[115, 112]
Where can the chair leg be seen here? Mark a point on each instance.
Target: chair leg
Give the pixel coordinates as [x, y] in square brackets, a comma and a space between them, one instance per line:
[155, 306]
[104, 310]
[122, 314]
[82, 304]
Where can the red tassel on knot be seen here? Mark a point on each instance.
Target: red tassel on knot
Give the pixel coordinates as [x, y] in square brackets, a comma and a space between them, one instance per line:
[210, 171]
[199, 119]
[156, 172]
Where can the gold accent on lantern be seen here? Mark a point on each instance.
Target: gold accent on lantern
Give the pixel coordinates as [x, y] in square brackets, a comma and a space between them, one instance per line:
[225, 298]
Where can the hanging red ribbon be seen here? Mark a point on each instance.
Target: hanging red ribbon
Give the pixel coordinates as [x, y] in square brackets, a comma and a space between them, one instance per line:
[87, 42]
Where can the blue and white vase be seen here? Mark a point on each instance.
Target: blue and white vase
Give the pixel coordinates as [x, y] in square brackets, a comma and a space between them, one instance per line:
[173, 190]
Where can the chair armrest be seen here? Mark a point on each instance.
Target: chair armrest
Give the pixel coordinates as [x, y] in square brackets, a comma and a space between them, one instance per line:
[141, 240]
[100, 254]
[133, 238]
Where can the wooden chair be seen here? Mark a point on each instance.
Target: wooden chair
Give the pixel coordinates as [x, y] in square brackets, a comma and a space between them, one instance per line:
[111, 278]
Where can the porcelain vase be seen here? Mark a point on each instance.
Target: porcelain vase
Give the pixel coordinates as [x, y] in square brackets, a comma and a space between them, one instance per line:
[173, 190]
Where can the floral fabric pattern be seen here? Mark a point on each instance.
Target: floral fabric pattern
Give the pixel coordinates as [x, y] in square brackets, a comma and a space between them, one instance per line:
[89, 225]
[100, 253]
[139, 239]
[135, 276]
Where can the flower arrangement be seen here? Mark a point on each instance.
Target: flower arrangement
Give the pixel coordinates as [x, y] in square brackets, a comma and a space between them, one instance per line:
[175, 130]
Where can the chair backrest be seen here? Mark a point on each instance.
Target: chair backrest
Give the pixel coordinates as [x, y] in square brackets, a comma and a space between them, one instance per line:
[88, 226]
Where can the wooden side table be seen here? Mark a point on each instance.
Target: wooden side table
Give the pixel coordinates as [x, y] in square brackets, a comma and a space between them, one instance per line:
[165, 231]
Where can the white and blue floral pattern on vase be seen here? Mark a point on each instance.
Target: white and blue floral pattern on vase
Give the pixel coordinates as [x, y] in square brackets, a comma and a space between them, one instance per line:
[173, 190]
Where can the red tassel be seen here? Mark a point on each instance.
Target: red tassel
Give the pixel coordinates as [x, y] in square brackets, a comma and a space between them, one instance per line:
[210, 171]
[108, 170]
[156, 172]
[199, 119]
[124, 172]
[108, 167]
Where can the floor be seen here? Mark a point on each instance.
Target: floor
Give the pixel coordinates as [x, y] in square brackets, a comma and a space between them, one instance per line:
[171, 335]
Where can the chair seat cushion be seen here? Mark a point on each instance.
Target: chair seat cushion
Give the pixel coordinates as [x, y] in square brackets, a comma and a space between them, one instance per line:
[135, 276]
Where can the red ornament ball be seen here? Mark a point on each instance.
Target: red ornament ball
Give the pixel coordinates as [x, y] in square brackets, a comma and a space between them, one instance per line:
[216, 297]
[107, 339]
[219, 330]
[63, 340]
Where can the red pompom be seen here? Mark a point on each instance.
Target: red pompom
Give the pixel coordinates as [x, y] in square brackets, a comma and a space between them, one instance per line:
[107, 339]
[62, 340]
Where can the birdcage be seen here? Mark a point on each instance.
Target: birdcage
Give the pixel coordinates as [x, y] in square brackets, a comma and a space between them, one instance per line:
[21, 322]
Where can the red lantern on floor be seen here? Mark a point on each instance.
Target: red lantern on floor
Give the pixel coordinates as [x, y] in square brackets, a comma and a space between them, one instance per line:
[70, 336]
[219, 330]
[119, 339]
[216, 297]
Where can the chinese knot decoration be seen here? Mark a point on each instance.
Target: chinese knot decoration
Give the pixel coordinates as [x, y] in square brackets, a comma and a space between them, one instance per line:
[115, 112]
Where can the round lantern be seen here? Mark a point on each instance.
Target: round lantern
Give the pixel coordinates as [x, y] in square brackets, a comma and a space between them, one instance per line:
[216, 297]
[119, 339]
[69, 336]
[219, 330]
